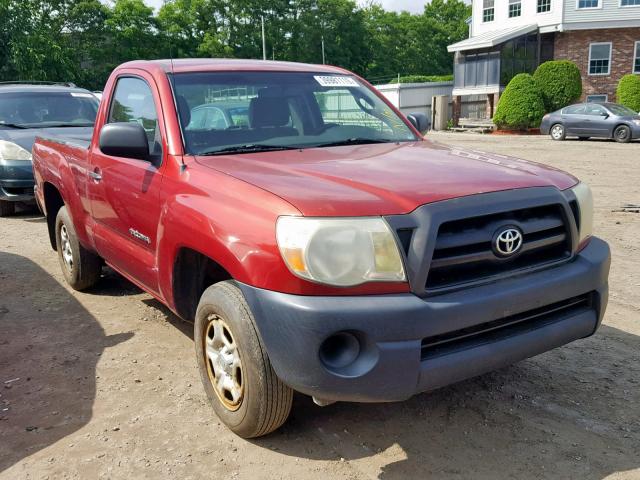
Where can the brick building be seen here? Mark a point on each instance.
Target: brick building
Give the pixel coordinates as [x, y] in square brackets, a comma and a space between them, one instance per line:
[507, 37]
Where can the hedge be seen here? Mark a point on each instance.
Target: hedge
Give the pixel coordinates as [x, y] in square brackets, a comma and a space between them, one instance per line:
[520, 106]
[628, 92]
[559, 82]
[423, 79]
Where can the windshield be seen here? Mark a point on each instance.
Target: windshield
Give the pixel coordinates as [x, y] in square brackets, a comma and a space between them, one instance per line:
[621, 110]
[248, 111]
[48, 109]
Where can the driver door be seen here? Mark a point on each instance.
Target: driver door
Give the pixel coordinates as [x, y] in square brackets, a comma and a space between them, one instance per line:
[125, 192]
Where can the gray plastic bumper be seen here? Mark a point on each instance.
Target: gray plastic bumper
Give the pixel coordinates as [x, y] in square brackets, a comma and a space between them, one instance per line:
[391, 328]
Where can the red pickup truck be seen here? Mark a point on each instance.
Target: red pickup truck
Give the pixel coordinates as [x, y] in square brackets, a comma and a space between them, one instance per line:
[317, 241]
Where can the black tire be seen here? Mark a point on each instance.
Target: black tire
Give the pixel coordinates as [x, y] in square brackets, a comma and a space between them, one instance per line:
[622, 134]
[264, 401]
[7, 208]
[583, 138]
[557, 132]
[85, 267]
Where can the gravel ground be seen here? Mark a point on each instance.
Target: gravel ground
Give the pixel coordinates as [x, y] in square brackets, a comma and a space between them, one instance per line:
[104, 384]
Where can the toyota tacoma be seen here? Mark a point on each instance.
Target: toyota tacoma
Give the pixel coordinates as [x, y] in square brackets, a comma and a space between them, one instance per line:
[316, 239]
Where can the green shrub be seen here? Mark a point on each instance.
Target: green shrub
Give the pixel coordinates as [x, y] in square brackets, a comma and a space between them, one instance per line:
[521, 105]
[423, 79]
[559, 82]
[628, 92]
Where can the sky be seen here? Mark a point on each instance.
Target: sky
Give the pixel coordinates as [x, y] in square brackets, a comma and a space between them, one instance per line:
[414, 6]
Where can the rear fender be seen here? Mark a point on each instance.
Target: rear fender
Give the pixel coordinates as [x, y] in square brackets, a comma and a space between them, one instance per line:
[53, 168]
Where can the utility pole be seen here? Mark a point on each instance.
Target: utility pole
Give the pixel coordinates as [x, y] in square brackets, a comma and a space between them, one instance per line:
[324, 62]
[264, 41]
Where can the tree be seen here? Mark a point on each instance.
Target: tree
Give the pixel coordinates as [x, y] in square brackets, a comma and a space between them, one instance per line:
[628, 92]
[521, 105]
[559, 82]
[83, 40]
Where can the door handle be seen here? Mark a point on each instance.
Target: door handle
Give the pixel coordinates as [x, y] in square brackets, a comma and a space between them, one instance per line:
[96, 175]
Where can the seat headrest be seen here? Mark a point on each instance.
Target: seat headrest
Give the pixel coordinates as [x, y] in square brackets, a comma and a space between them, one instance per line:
[267, 111]
[183, 110]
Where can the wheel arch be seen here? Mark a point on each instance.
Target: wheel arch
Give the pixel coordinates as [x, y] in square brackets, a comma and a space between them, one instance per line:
[619, 124]
[53, 202]
[192, 273]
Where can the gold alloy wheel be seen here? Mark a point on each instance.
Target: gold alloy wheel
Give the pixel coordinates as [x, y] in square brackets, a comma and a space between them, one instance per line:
[223, 363]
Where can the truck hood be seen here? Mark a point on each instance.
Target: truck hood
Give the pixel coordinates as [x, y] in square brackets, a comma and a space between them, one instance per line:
[382, 179]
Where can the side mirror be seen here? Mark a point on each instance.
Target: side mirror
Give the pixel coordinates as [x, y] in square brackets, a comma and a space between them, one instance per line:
[419, 121]
[604, 114]
[127, 140]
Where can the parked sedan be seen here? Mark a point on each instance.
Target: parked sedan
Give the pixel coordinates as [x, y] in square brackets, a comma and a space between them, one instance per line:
[585, 120]
[29, 110]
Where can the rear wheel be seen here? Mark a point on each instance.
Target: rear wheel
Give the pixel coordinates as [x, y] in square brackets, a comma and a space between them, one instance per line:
[236, 373]
[557, 132]
[7, 208]
[622, 134]
[81, 268]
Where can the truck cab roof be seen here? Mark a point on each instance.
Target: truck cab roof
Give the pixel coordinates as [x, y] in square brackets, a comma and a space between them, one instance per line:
[183, 65]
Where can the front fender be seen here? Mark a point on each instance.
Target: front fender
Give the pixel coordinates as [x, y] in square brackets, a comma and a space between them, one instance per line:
[236, 229]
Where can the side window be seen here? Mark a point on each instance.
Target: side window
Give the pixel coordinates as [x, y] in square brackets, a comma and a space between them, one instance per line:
[133, 102]
[574, 110]
[594, 109]
[215, 119]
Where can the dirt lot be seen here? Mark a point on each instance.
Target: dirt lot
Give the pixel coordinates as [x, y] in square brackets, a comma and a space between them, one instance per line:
[106, 384]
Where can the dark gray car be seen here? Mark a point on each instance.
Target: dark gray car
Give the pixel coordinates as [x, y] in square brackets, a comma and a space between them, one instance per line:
[27, 111]
[585, 120]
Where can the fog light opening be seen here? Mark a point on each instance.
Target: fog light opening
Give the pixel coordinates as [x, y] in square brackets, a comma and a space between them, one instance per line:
[339, 350]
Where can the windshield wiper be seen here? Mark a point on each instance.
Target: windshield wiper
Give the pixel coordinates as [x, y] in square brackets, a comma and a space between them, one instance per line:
[65, 125]
[13, 125]
[248, 148]
[354, 141]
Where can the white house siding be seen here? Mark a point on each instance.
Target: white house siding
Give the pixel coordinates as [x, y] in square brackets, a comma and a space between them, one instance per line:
[528, 17]
[610, 14]
[414, 97]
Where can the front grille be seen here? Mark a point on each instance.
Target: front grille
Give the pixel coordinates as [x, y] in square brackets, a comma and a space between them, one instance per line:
[488, 332]
[463, 250]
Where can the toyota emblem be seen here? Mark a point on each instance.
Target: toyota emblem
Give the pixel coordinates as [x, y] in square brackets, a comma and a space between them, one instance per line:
[507, 241]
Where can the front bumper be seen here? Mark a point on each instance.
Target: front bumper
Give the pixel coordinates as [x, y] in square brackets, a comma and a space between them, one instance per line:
[391, 330]
[16, 181]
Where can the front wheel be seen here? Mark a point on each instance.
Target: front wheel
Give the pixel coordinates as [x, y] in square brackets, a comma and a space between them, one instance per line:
[557, 132]
[622, 134]
[81, 268]
[238, 378]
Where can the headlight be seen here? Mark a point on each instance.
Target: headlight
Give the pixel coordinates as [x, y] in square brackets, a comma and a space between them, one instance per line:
[585, 210]
[340, 251]
[11, 151]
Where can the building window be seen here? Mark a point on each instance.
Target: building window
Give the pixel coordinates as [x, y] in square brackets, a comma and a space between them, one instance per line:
[599, 58]
[630, 3]
[488, 10]
[544, 6]
[515, 8]
[636, 59]
[588, 3]
[597, 98]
